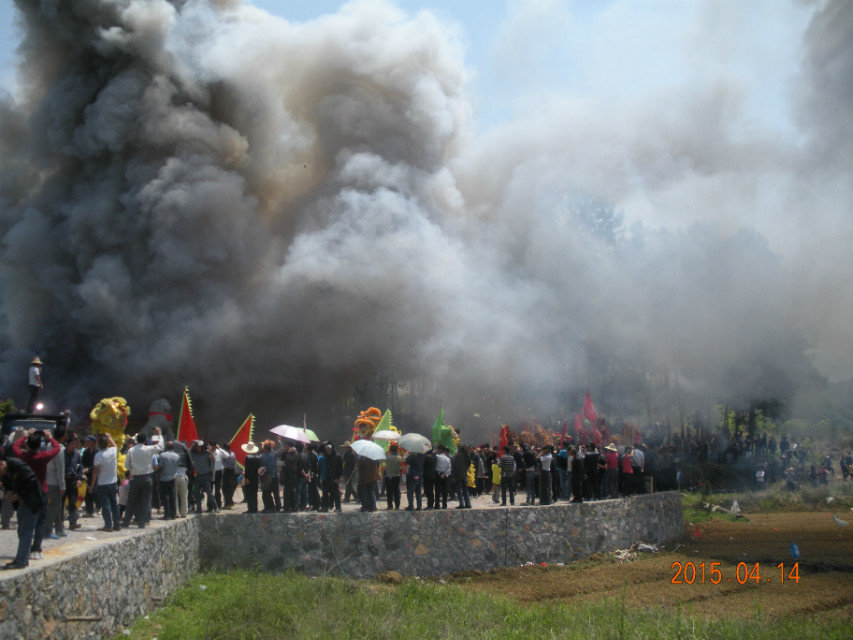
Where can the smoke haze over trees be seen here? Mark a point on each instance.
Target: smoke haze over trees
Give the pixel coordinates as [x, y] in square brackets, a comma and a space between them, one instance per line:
[279, 214]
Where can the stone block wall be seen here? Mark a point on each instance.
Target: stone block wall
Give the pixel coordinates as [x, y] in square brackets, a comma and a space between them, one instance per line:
[90, 594]
[429, 543]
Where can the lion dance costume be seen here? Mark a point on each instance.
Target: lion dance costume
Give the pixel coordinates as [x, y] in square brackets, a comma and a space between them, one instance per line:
[110, 416]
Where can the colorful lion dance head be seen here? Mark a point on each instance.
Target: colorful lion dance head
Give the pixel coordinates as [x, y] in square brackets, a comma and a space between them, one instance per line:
[366, 423]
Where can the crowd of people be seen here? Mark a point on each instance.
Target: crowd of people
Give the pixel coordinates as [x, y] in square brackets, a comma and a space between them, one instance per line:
[43, 476]
[51, 479]
[292, 476]
[759, 460]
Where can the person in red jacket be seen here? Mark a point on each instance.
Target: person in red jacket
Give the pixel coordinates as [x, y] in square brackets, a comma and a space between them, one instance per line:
[30, 450]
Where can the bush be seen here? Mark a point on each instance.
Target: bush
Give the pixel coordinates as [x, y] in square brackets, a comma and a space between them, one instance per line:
[814, 497]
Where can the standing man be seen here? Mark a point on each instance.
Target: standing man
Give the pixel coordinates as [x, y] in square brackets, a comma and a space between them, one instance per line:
[577, 466]
[639, 468]
[55, 479]
[431, 479]
[203, 463]
[87, 459]
[105, 482]
[442, 477]
[251, 464]
[182, 478]
[229, 475]
[349, 471]
[73, 479]
[611, 473]
[393, 466]
[290, 472]
[20, 480]
[459, 471]
[140, 463]
[303, 479]
[414, 480]
[546, 457]
[368, 474]
[269, 463]
[167, 463]
[334, 470]
[508, 469]
[218, 473]
[35, 383]
[29, 449]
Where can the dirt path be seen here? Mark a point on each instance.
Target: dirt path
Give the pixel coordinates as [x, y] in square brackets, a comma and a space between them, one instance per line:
[727, 589]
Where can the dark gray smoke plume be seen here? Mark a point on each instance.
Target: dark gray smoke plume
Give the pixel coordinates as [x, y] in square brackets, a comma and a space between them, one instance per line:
[196, 193]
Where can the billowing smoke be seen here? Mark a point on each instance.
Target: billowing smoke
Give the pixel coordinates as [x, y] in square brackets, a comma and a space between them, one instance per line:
[197, 193]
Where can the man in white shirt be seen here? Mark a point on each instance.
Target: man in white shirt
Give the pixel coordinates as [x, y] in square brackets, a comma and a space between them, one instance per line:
[546, 457]
[105, 481]
[167, 463]
[442, 476]
[55, 479]
[139, 461]
[35, 383]
[218, 472]
[639, 464]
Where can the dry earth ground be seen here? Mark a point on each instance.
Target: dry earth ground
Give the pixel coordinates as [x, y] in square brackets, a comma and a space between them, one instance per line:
[825, 586]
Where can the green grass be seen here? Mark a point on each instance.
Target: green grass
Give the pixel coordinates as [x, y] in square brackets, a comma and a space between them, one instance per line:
[258, 606]
[836, 495]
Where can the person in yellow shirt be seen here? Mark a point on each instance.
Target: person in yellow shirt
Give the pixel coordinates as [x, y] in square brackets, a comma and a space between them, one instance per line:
[496, 480]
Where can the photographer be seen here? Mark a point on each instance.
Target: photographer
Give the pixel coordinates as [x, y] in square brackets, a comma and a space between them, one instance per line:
[31, 517]
[20, 483]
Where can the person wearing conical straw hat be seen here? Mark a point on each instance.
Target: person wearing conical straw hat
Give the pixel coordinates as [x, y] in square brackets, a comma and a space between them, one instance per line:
[35, 383]
[251, 464]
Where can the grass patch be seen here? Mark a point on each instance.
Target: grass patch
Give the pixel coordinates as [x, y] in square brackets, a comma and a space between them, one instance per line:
[836, 495]
[258, 606]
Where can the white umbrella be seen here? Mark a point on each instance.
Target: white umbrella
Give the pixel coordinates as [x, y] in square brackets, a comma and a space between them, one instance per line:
[291, 433]
[414, 442]
[368, 449]
[385, 434]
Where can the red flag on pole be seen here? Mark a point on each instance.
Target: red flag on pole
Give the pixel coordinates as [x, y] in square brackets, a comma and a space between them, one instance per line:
[503, 440]
[243, 436]
[589, 410]
[186, 424]
[563, 434]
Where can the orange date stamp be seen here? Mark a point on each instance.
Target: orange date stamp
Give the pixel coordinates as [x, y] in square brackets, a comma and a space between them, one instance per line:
[711, 573]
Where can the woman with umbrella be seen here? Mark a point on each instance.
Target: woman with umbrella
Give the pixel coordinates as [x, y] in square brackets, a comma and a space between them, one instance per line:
[369, 454]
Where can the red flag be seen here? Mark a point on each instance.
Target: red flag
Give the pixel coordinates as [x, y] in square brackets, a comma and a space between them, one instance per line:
[589, 410]
[186, 424]
[596, 437]
[503, 440]
[563, 435]
[578, 423]
[243, 436]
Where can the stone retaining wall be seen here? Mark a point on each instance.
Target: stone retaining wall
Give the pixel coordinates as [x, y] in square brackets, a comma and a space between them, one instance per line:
[429, 543]
[117, 581]
[109, 585]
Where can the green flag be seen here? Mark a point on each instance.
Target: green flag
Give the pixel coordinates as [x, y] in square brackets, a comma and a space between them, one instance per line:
[436, 427]
[384, 424]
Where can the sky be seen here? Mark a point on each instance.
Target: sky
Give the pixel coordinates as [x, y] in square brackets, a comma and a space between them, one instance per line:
[522, 54]
[714, 130]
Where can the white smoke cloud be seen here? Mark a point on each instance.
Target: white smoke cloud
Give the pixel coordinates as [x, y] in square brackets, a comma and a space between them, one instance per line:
[271, 212]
